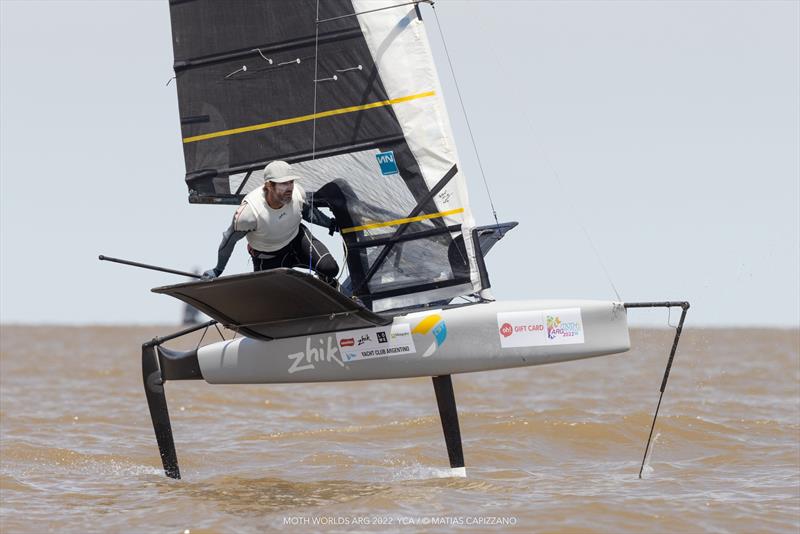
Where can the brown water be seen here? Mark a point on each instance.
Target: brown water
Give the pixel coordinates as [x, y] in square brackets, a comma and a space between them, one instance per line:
[548, 449]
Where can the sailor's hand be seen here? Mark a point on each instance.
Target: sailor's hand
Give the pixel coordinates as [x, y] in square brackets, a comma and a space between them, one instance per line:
[333, 226]
[211, 274]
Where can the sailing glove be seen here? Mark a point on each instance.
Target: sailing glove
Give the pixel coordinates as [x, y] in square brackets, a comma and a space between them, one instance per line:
[211, 274]
[333, 226]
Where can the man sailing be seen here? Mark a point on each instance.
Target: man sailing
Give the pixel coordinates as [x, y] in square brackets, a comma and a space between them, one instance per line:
[270, 219]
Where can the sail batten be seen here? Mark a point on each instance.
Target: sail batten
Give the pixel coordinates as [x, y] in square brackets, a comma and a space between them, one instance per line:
[258, 51]
[305, 118]
[404, 221]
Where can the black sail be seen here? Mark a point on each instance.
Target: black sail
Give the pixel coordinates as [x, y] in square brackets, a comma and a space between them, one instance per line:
[353, 100]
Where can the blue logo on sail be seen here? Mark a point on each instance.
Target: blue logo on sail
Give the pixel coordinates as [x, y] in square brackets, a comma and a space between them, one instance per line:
[387, 163]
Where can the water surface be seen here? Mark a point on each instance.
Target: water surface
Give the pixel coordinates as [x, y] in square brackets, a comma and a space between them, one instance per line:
[548, 449]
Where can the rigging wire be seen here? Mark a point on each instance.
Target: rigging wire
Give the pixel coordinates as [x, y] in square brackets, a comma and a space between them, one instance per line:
[316, 66]
[549, 164]
[597, 255]
[202, 337]
[219, 331]
[317, 22]
[464, 111]
[344, 261]
[669, 319]
[314, 130]
[414, 3]
[205, 331]
[311, 239]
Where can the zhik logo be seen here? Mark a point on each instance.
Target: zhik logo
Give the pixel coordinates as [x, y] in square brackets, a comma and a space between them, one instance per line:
[305, 360]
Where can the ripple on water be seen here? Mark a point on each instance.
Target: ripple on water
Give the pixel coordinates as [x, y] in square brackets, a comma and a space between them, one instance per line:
[558, 447]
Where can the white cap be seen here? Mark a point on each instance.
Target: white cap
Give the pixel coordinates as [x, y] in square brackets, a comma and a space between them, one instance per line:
[279, 172]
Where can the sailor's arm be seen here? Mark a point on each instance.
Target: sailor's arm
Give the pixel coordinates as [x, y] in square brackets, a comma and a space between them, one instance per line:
[315, 216]
[229, 239]
[243, 222]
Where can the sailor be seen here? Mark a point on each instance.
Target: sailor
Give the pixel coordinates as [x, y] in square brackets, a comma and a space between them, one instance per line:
[270, 219]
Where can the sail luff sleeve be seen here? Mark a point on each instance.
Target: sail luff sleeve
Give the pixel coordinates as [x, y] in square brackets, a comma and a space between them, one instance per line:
[405, 62]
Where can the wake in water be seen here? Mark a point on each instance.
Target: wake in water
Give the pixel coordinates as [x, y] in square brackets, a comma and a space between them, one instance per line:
[647, 468]
[425, 472]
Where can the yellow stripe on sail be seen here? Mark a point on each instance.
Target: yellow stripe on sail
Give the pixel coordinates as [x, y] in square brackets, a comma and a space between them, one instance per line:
[304, 118]
[397, 222]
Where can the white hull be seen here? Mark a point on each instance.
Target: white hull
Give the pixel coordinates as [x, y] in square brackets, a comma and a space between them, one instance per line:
[480, 337]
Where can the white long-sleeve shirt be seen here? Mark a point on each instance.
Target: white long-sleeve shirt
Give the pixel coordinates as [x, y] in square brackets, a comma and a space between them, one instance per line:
[269, 229]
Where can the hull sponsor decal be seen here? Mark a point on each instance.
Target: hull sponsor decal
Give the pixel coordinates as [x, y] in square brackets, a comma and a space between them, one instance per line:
[387, 163]
[434, 329]
[540, 328]
[305, 360]
[353, 345]
[378, 342]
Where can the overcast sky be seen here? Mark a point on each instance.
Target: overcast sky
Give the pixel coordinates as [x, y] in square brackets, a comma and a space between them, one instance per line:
[666, 132]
